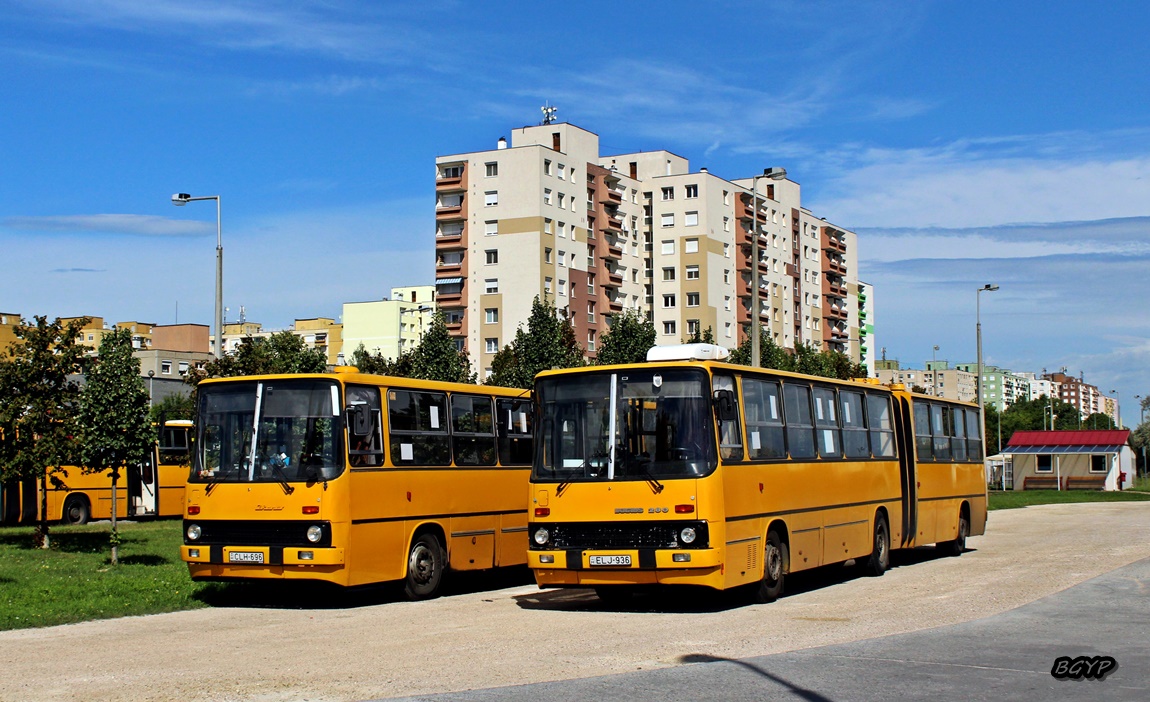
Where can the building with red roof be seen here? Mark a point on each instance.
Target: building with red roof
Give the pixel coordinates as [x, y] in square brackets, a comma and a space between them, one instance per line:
[1069, 460]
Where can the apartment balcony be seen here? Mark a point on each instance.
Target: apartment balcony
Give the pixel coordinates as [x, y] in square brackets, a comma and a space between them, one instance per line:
[451, 184]
[611, 197]
[616, 278]
[835, 266]
[615, 306]
[835, 313]
[444, 268]
[613, 224]
[833, 243]
[792, 270]
[834, 289]
[450, 211]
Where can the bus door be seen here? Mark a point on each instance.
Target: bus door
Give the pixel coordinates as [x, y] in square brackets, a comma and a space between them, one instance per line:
[143, 486]
[904, 436]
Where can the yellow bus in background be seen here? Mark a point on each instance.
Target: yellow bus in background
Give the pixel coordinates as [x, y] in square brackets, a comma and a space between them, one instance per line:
[353, 478]
[686, 470]
[152, 489]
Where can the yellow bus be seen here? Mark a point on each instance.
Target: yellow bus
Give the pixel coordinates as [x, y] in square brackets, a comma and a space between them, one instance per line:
[687, 470]
[353, 478]
[152, 489]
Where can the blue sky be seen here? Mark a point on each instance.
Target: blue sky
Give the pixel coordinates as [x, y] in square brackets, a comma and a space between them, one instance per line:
[966, 143]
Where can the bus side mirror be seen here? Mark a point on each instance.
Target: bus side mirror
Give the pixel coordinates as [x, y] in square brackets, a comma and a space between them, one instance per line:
[358, 421]
[725, 405]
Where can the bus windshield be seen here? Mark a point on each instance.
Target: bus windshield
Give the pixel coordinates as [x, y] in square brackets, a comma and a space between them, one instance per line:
[297, 437]
[638, 424]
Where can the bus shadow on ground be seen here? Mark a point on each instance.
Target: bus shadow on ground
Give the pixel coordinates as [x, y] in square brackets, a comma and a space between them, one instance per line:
[701, 600]
[320, 595]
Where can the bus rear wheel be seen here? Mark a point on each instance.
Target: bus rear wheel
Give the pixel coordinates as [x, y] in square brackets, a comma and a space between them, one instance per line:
[958, 545]
[775, 555]
[425, 564]
[879, 559]
[76, 510]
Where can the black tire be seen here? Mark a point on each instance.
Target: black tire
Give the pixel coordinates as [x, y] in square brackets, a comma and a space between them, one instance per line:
[776, 556]
[426, 562]
[76, 510]
[879, 559]
[956, 547]
[615, 595]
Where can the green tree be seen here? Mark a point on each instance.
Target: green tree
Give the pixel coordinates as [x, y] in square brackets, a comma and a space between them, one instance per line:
[282, 352]
[707, 337]
[627, 340]
[175, 406]
[39, 396]
[438, 358]
[113, 416]
[547, 342]
[771, 355]
[376, 363]
[1140, 436]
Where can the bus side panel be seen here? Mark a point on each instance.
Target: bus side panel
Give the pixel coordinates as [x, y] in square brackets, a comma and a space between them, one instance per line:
[472, 542]
[511, 541]
[378, 538]
[172, 479]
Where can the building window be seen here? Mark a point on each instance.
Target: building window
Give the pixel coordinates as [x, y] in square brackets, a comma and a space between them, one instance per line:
[727, 276]
[726, 197]
[591, 284]
[562, 257]
[546, 226]
[491, 228]
[726, 224]
[692, 191]
[668, 327]
[693, 330]
[668, 273]
[492, 169]
[590, 339]
[668, 193]
[492, 256]
[492, 345]
[451, 172]
[491, 285]
[561, 196]
[166, 367]
[546, 196]
[691, 219]
[547, 255]
[692, 299]
[667, 220]
[490, 198]
[559, 173]
[492, 315]
[546, 167]
[183, 367]
[691, 246]
[668, 301]
[546, 285]
[563, 230]
[563, 287]
[669, 247]
[590, 256]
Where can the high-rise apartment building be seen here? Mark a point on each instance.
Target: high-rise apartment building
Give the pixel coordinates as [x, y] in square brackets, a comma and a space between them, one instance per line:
[549, 216]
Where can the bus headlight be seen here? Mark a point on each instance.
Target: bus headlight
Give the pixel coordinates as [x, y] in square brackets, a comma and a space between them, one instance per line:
[314, 534]
[194, 532]
[541, 536]
[687, 535]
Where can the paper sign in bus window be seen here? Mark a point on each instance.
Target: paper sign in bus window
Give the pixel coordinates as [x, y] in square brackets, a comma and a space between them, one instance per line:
[405, 452]
[434, 417]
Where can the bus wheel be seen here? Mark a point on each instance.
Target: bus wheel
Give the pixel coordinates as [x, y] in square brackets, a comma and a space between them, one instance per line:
[76, 510]
[956, 547]
[774, 568]
[425, 564]
[879, 559]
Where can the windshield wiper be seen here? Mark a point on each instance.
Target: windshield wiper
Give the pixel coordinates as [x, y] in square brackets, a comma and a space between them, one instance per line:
[283, 481]
[632, 460]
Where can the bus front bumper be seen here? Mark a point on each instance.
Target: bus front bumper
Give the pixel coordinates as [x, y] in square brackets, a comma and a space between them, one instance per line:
[576, 568]
[241, 556]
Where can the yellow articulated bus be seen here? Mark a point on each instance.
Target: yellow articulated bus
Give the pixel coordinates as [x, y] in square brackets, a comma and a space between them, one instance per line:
[153, 489]
[353, 478]
[687, 470]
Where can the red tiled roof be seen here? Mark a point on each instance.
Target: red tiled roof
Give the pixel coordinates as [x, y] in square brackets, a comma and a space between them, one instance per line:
[1098, 437]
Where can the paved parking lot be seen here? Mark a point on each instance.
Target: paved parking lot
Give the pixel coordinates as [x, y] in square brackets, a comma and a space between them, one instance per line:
[495, 632]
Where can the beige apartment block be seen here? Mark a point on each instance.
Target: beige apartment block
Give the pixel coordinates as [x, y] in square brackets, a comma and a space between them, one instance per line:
[549, 216]
[8, 320]
[195, 338]
[322, 333]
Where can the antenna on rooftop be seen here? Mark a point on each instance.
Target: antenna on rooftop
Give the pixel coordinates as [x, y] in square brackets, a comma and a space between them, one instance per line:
[549, 111]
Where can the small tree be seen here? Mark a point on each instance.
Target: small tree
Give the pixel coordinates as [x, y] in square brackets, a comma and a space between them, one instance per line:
[113, 416]
[771, 354]
[378, 364]
[175, 406]
[438, 358]
[38, 400]
[630, 336]
[547, 342]
[282, 352]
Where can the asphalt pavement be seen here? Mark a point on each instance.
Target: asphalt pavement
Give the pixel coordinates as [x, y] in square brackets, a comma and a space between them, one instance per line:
[1005, 657]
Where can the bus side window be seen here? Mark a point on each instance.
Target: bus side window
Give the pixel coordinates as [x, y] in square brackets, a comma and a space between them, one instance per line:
[826, 424]
[800, 427]
[958, 442]
[880, 427]
[515, 432]
[854, 425]
[366, 450]
[764, 412]
[472, 430]
[730, 434]
[973, 436]
[941, 428]
[922, 438]
[417, 428]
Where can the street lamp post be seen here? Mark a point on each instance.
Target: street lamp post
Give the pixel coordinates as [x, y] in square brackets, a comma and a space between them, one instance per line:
[934, 371]
[151, 379]
[774, 173]
[989, 287]
[1117, 408]
[181, 199]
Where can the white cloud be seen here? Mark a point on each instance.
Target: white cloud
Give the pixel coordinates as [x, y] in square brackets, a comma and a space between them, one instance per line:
[130, 224]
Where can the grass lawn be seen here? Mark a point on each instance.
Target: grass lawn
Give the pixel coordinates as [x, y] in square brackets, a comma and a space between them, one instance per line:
[1012, 499]
[73, 581]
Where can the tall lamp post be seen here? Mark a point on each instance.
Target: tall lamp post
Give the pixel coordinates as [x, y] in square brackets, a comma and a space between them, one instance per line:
[1117, 408]
[989, 287]
[934, 371]
[1141, 421]
[179, 200]
[774, 173]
